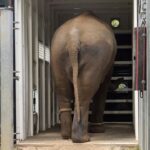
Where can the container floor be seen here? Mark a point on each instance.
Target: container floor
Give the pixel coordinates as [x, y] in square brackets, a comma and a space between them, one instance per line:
[116, 137]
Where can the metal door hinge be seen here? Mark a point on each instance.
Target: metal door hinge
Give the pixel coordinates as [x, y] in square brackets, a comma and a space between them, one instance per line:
[141, 94]
[15, 139]
[16, 77]
[15, 22]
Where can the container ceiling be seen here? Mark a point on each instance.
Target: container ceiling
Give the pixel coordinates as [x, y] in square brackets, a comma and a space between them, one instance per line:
[97, 6]
[61, 10]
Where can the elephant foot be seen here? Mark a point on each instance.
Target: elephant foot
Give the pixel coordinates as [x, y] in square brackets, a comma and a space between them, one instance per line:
[80, 128]
[81, 139]
[96, 128]
[66, 124]
[65, 132]
[66, 137]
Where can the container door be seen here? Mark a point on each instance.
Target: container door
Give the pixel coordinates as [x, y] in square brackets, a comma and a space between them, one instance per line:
[24, 66]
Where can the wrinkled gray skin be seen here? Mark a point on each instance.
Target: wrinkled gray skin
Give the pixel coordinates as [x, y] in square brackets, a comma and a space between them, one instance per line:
[82, 53]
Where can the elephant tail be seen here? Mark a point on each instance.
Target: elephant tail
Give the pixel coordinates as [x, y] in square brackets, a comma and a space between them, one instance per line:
[73, 46]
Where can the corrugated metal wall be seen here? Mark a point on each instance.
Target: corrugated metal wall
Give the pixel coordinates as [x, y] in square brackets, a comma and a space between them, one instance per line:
[33, 64]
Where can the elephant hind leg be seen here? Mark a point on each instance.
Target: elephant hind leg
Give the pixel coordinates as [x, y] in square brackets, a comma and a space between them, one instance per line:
[65, 116]
[96, 124]
[64, 96]
[80, 128]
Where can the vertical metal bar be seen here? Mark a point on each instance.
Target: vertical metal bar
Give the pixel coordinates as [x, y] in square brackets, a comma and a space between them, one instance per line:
[136, 114]
[49, 87]
[6, 50]
[19, 60]
[52, 82]
[48, 68]
[43, 93]
[145, 124]
[43, 71]
[49, 97]
[42, 67]
[37, 61]
[26, 58]
[47, 71]
[148, 75]
[53, 105]
[30, 65]
[141, 123]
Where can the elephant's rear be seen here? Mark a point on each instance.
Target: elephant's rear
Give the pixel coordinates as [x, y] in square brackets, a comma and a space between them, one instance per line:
[94, 42]
[82, 54]
[86, 47]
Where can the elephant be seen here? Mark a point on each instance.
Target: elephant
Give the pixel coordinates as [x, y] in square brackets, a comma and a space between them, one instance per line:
[83, 51]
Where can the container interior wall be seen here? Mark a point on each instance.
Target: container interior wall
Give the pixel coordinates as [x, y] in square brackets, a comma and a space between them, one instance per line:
[38, 100]
[32, 59]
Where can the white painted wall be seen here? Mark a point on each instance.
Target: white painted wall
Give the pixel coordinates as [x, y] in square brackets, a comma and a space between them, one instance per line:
[27, 15]
[20, 61]
[24, 64]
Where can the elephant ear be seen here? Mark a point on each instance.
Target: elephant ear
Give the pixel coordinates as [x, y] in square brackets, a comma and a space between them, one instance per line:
[115, 85]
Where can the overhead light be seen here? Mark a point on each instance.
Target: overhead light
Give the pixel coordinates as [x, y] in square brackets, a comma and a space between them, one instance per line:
[115, 23]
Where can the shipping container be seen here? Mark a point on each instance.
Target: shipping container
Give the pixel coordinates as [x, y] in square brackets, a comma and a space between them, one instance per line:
[27, 87]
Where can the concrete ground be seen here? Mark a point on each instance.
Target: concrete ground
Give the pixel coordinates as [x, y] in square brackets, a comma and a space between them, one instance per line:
[116, 137]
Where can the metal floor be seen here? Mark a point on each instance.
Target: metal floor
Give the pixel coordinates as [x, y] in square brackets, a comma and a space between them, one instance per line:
[116, 137]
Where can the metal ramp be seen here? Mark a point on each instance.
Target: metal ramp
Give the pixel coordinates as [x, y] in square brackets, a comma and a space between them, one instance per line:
[116, 137]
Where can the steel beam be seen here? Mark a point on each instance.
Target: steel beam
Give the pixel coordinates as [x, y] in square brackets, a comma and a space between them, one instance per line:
[148, 76]
[6, 66]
